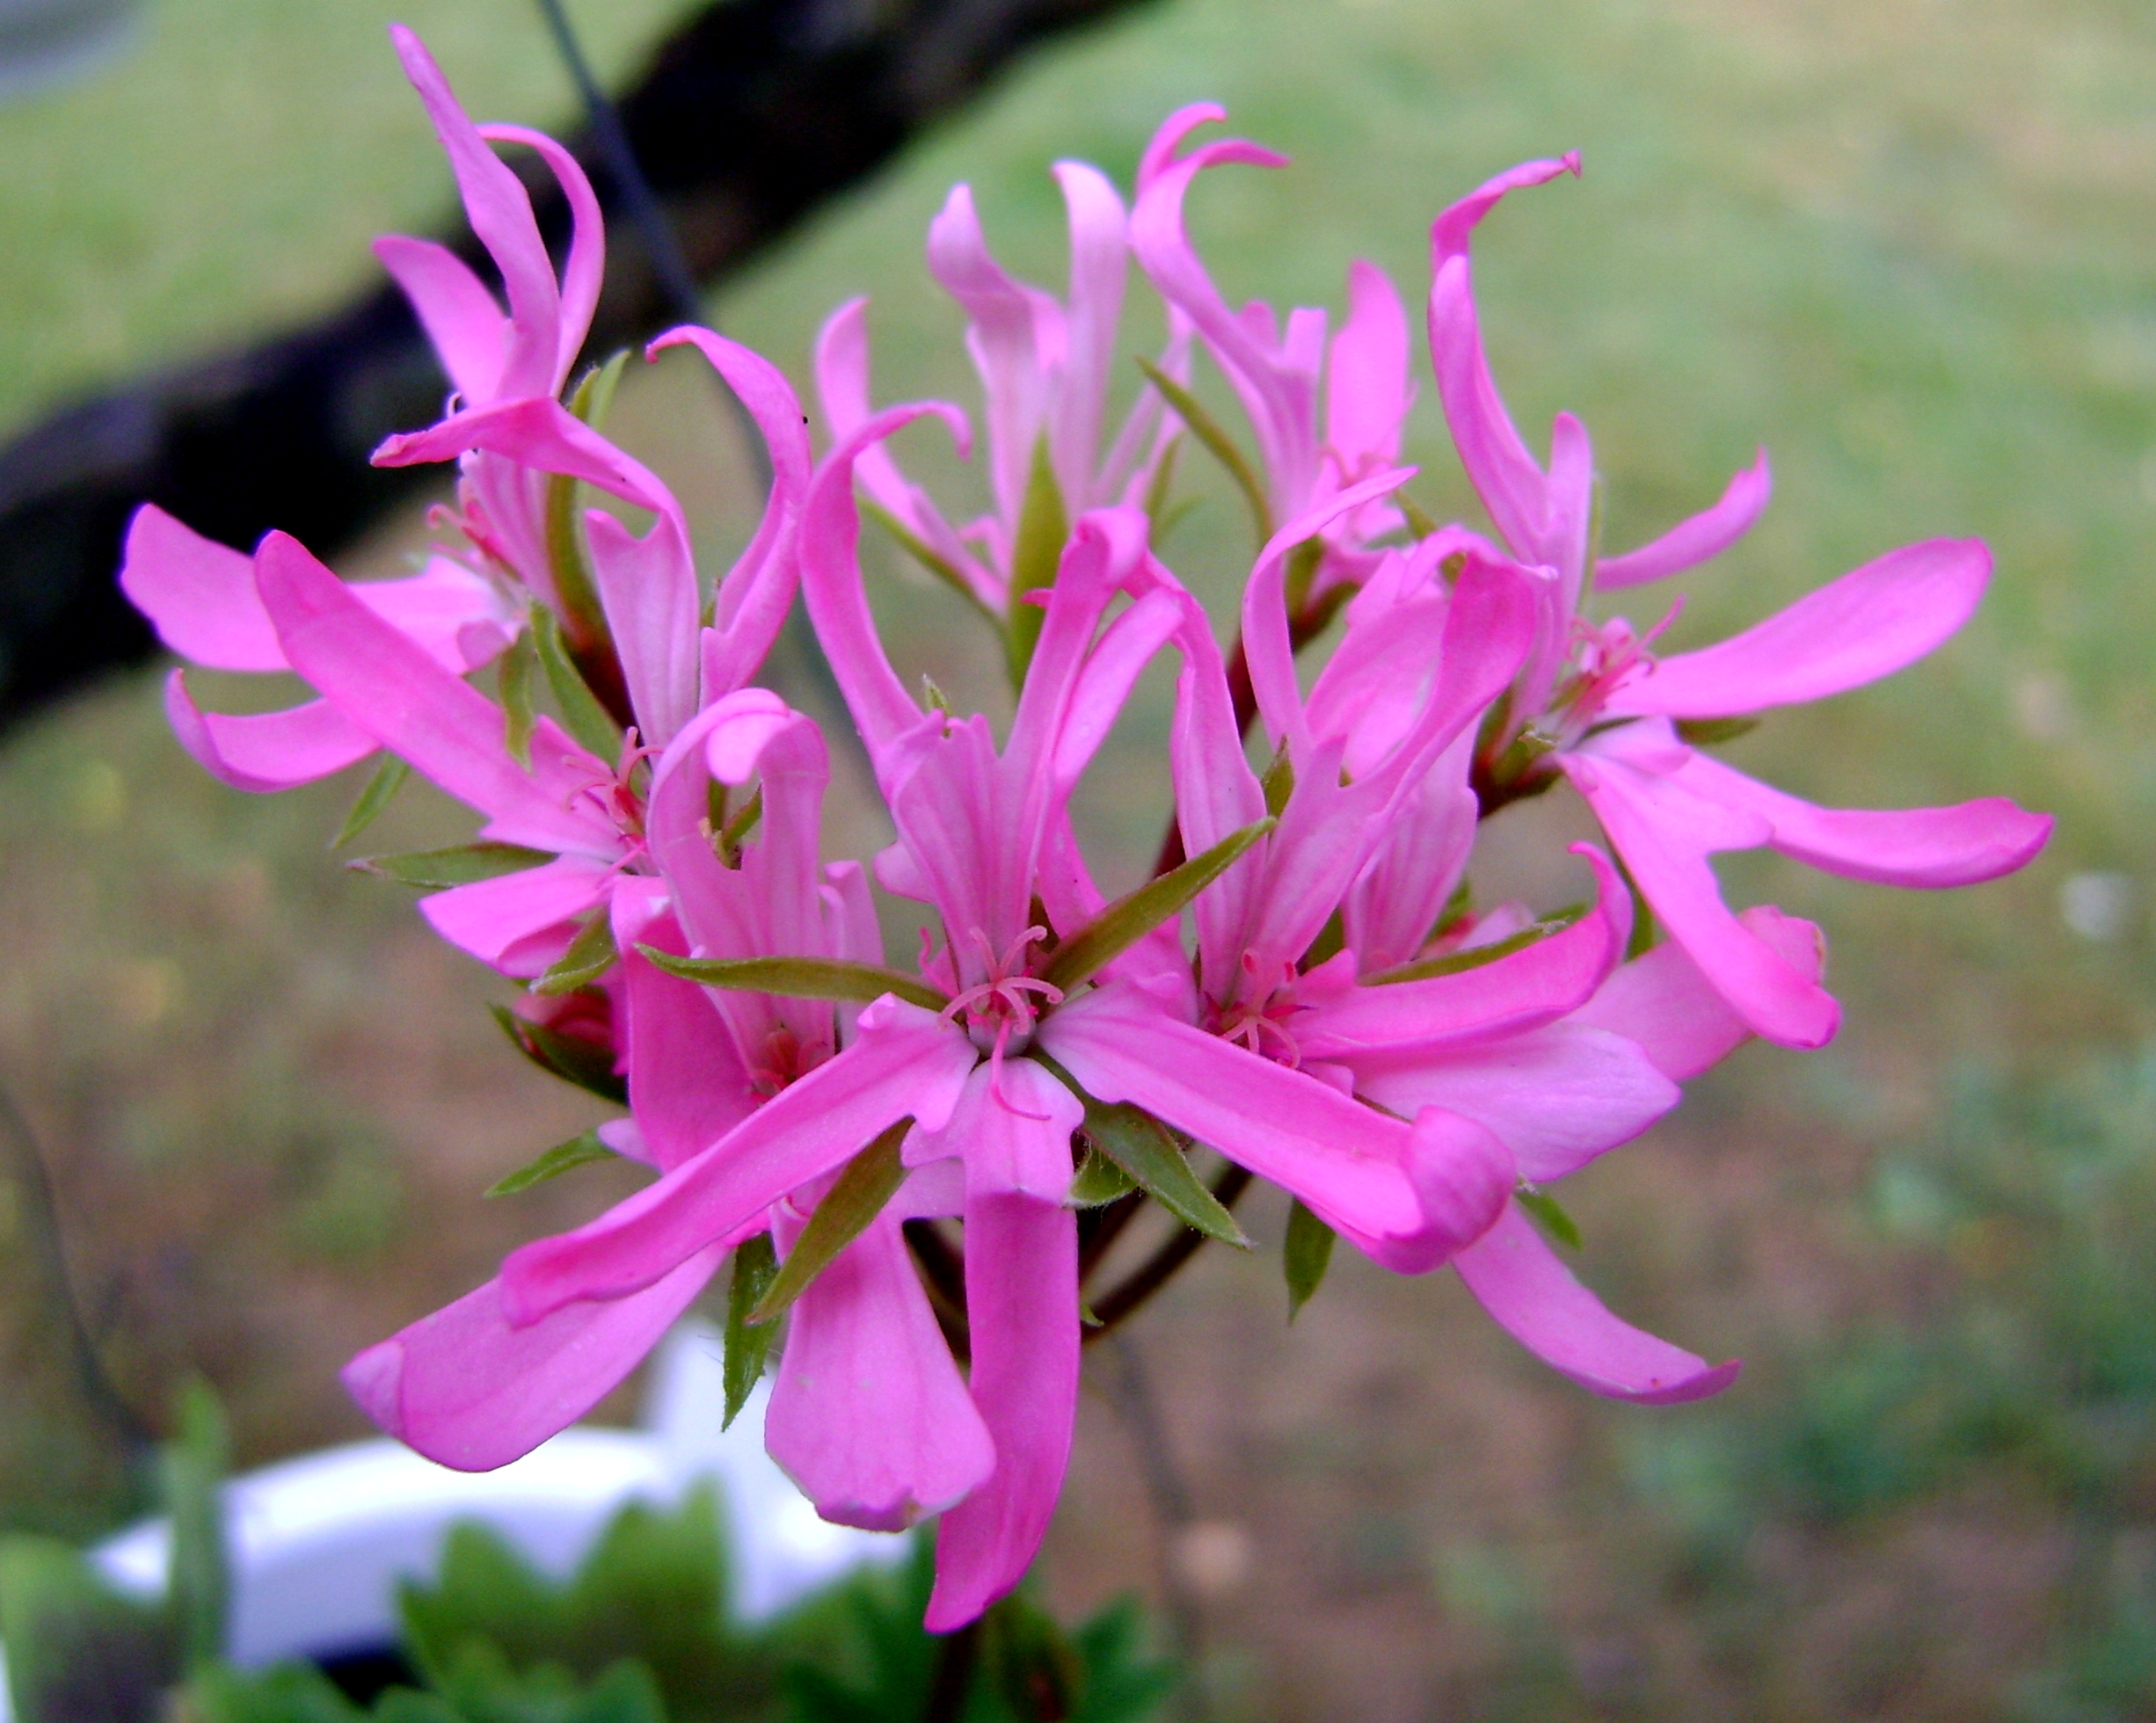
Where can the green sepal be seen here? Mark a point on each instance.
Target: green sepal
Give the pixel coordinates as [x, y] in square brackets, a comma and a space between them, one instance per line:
[799, 977]
[562, 1157]
[918, 548]
[465, 864]
[389, 778]
[1036, 549]
[190, 1469]
[730, 835]
[568, 1057]
[1128, 919]
[584, 717]
[1206, 429]
[594, 399]
[1706, 732]
[1331, 940]
[748, 1345]
[868, 1181]
[1278, 783]
[514, 683]
[591, 954]
[1305, 1257]
[1421, 522]
[1148, 1151]
[1547, 1213]
[1099, 1181]
[1474, 957]
[567, 558]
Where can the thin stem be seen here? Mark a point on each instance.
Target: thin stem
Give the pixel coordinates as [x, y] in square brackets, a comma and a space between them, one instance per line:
[1099, 1228]
[956, 1661]
[1119, 1301]
[1171, 1510]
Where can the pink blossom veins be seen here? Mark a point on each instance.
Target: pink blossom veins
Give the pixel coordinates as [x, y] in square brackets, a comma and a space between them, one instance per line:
[934, 1177]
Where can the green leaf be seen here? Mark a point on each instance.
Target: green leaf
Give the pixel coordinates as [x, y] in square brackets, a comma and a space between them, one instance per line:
[591, 954]
[1278, 782]
[1029, 1660]
[562, 1157]
[76, 1648]
[1420, 521]
[1099, 1181]
[514, 683]
[869, 1181]
[282, 1693]
[1128, 919]
[1207, 430]
[1157, 488]
[466, 864]
[593, 397]
[748, 1346]
[567, 558]
[1474, 957]
[190, 1473]
[568, 1057]
[1305, 1257]
[1147, 1150]
[799, 977]
[1706, 732]
[585, 718]
[1549, 1215]
[389, 778]
[1037, 547]
[917, 547]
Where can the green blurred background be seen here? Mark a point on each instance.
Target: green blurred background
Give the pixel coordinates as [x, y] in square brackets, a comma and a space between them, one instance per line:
[1911, 248]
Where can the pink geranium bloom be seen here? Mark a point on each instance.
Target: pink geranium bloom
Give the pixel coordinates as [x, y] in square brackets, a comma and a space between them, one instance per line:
[1595, 704]
[1045, 366]
[1279, 369]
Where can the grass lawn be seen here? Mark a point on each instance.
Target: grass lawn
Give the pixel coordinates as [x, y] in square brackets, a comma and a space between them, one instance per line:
[1911, 249]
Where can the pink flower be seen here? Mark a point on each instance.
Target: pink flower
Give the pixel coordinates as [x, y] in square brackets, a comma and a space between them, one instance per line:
[1278, 370]
[1595, 704]
[1045, 367]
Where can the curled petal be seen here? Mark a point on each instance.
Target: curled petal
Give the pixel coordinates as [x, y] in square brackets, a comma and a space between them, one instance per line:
[265, 751]
[1463, 1176]
[1853, 631]
[1691, 542]
[467, 327]
[1534, 1298]
[199, 595]
[521, 922]
[471, 1391]
[584, 271]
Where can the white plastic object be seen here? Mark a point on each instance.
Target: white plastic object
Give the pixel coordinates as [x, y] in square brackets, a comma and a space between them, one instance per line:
[317, 1543]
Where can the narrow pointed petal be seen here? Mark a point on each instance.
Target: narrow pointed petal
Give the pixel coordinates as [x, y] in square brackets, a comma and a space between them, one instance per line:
[535, 431]
[1691, 542]
[500, 212]
[1506, 477]
[199, 595]
[1012, 1129]
[1021, 1313]
[585, 271]
[469, 332]
[1853, 631]
[265, 751]
[869, 1415]
[505, 922]
[1665, 1004]
[472, 1393]
[1450, 234]
[1343, 1160]
[1932, 848]
[688, 1087]
[1533, 1297]
[647, 586]
[1366, 389]
[388, 686]
[1665, 835]
[1099, 261]
[1556, 1096]
[906, 1062]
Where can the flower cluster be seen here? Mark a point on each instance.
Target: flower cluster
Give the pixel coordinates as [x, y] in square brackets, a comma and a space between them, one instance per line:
[1302, 993]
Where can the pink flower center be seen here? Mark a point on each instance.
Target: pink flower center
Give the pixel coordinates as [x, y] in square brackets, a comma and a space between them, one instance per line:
[997, 1010]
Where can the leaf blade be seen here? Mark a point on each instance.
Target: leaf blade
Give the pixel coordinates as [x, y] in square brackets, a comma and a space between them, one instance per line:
[1305, 1256]
[866, 1183]
[748, 1347]
[562, 1157]
[799, 977]
[461, 864]
[586, 720]
[1128, 919]
[568, 1057]
[388, 777]
[1148, 1151]
[1475, 957]
[1207, 430]
[591, 954]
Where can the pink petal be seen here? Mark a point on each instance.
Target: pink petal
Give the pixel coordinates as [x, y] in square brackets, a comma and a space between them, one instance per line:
[388, 687]
[1963, 845]
[456, 617]
[906, 1063]
[869, 1415]
[1533, 1297]
[500, 213]
[1343, 1160]
[1366, 389]
[497, 920]
[1099, 254]
[535, 431]
[470, 1391]
[1691, 542]
[267, 751]
[1555, 1096]
[1533, 986]
[471, 335]
[198, 594]
[1664, 836]
[1449, 235]
[584, 271]
[1866, 625]
[1505, 474]
[1663, 1002]
[1463, 1176]
[1021, 1313]
[647, 586]
[1012, 1129]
